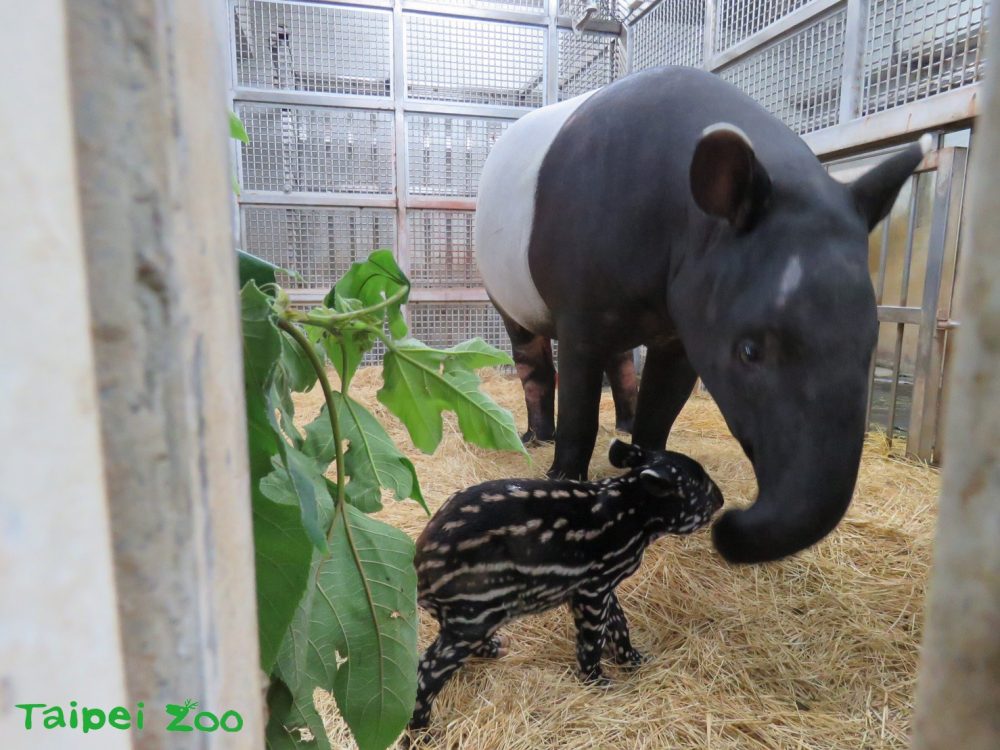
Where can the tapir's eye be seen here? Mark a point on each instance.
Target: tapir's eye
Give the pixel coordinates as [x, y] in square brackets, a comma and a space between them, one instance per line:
[749, 351]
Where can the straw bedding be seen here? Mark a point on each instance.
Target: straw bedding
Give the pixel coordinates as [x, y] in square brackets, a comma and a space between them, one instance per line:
[818, 651]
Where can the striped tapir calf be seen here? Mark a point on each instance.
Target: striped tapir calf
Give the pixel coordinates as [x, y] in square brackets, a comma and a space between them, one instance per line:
[514, 547]
[672, 210]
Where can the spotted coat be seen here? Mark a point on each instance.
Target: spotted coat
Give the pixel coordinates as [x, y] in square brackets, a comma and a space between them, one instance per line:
[514, 547]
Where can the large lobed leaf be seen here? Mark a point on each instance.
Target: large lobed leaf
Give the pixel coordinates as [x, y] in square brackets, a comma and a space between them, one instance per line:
[291, 513]
[371, 460]
[361, 611]
[370, 282]
[420, 382]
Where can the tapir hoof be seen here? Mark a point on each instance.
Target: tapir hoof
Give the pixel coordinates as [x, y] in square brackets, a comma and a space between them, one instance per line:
[625, 425]
[532, 438]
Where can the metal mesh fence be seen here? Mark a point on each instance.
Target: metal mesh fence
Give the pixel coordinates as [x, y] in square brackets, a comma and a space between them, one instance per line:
[798, 78]
[588, 61]
[298, 47]
[473, 61]
[736, 20]
[918, 48]
[672, 33]
[521, 6]
[444, 324]
[446, 154]
[317, 149]
[441, 248]
[604, 9]
[319, 243]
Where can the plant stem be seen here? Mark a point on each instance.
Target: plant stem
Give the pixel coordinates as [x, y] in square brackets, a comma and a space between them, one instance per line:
[300, 338]
[329, 321]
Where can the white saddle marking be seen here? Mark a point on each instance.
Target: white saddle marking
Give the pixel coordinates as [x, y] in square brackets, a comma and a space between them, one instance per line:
[506, 209]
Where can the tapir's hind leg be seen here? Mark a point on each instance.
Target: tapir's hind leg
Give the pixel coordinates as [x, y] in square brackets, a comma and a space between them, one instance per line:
[624, 389]
[533, 358]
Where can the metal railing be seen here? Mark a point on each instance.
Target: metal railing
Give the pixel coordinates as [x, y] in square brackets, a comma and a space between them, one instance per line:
[370, 122]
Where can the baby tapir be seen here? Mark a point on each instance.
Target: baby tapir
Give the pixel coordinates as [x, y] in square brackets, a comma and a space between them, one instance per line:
[514, 547]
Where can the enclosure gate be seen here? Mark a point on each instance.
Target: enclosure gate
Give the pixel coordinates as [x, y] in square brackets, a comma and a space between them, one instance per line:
[370, 123]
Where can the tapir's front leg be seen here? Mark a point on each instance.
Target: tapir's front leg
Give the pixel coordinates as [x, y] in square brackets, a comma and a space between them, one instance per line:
[579, 397]
[667, 381]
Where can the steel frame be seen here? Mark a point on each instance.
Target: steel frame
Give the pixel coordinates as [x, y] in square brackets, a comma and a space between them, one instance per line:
[546, 18]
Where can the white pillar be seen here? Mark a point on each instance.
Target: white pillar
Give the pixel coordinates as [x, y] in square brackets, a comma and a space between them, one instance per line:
[59, 631]
[150, 104]
[958, 692]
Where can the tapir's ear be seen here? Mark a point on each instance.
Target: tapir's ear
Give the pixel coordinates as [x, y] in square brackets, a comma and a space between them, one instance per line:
[875, 191]
[658, 481]
[623, 456]
[727, 181]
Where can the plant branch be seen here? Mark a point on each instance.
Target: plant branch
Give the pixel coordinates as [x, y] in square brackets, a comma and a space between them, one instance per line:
[330, 322]
[300, 338]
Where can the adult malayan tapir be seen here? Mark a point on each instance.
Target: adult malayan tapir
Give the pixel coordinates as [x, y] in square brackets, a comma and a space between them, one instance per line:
[671, 210]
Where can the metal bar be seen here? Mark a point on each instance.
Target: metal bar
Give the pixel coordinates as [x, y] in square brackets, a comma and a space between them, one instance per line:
[525, 17]
[883, 314]
[311, 99]
[899, 314]
[594, 25]
[399, 142]
[784, 26]
[265, 198]
[903, 294]
[450, 294]
[709, 31]
[442, 204]
[378, 4]
[856, 30]
[948, 187]
[551, 87]
[959, 105]
[470, 110]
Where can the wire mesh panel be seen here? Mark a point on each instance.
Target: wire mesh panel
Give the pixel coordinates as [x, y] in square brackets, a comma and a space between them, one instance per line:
[444, 324]
[317, 149]
[521, 6]
[446, 154]
[477, 62]
[299, 47]
[736, 20]
[602, 9]
[319, 243]
[672, 33]
[588, 61]
[798, 78]
[918, 48]
[441, 249]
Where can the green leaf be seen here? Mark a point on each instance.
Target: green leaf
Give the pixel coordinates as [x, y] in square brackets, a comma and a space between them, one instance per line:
[283, 553]
[419, 383]
[307, 660]
[371, 281]
[279, 706]
[255, 269]
[476, 353]
[370, 607]
[236, 128]
[372, 460]
[361, 610]
[346, 350]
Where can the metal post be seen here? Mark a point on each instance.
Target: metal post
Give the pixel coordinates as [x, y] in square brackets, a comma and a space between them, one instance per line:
[927, 380]
[400, 156]
[60, 637]
[551, 95]
[148, 109]
[856, 30]
[710, 20]
[958, 685]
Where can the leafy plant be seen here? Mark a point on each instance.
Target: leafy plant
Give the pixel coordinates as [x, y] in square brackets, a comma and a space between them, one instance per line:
[336, 588]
